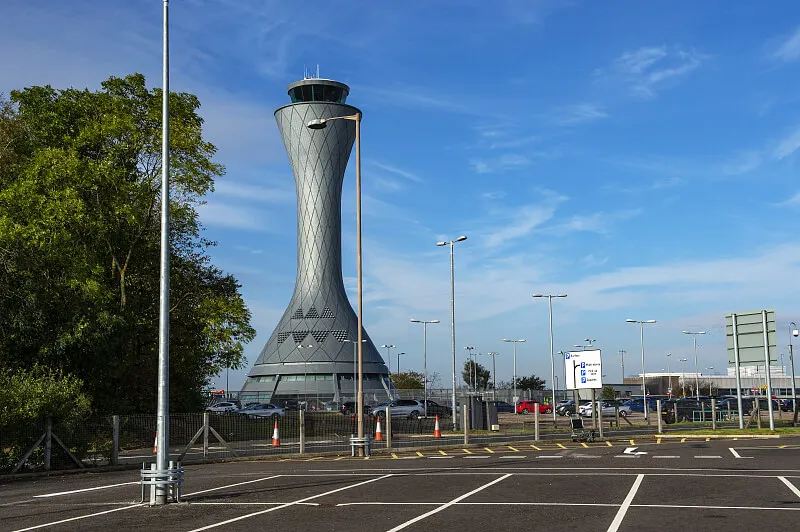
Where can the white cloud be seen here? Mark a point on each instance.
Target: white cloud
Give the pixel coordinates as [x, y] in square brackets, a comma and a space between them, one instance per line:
[578, 113]
[794, 201]
[254, 193]
[397, 171]
[744, 163]
[789, 49]
[598, 222]
[787, 146]
[650, 68]
[233, 217]
[523, 221]
[500, 164]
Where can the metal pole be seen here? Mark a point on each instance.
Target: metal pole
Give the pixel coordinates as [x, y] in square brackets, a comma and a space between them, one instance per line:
[658, 406]
[206, 426]
[600, 417]
[494, 375]
[515, 377]
[425, 363]
[453, 335]
[644, 389]
[536, 422]
[792, 328]
[552, 362]
[302, 431]
[355, 370]
[465, 421]
[767, 371]
[738, 374]
[713, 414]
[115, 440]
[162, 415]
[622, 355]
[388, 428]
[398, 363]
[360, 403]
[696, 378]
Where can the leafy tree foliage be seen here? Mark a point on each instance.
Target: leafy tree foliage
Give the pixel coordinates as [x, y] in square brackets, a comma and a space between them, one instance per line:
[409, 380]
[39, 393]
[608, 392]
[530, 383]
[79, 244]
[475, 375]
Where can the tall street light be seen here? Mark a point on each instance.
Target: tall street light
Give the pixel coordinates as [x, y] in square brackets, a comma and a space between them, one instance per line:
[793, 332]
[515, 342]
[710, 380]
[493, 354]
[696, 380]
[641, 337]
[683, 376]
[670, 374]
[469, 349]
[424, 357]
[398, 361]
[320, 123]
[453, 321]
[389, 354]
[355, 366]
[552, 362]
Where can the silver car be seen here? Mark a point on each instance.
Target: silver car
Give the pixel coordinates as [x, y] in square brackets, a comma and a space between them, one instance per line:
[255, 410]
[401, 408]
[222, 406]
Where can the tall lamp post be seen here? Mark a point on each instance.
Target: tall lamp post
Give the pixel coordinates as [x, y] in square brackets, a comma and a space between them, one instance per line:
[355, 365]
[320, 123]
[469, 349]
[552, 362]
[710, 380]
[670, 374]
[696, 380]
[398, 361]
[622, 359]
[388, 348]
[793, 332]
[683, 376]
[493, 354]
[515, 342]
[424, 357]
[453, 321]
[641, 337]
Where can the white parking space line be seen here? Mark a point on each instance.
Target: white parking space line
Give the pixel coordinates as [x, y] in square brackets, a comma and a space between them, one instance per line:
[83, 490]
[306, 499]
[790, 486]
[449, 504]
[53, 523]
[737, 455]
[666, 456]
[230, 486]
[513, 456]
[473, 457]
[626, 504]
[440, 457]
[626, 456]
[707, 456]
[550, 456]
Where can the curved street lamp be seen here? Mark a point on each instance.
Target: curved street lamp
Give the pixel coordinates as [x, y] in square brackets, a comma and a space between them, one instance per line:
[453, 321]
[552, 362]
[694, 341]
[641, 336]
[424, 357]
[515, 342]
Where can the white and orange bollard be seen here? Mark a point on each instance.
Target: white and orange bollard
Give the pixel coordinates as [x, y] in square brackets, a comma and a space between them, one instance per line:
[437, 433]
[378, 433]
[276, 439]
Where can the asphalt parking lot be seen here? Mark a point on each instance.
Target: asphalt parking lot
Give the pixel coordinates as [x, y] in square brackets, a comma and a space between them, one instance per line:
[607, 486]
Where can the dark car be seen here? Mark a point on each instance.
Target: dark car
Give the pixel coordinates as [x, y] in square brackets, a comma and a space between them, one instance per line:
[350, 407]
[568, 408]
[435, 409]
[637, 404]
[786, 405]
[503, 407]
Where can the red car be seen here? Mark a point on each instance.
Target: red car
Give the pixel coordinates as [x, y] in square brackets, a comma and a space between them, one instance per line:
[525, 407]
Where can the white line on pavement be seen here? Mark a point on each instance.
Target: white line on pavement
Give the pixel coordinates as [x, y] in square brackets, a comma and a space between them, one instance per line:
[666, 456]
[551, 456]
[230, 486]
[78, 518]
[513, 456]
[737, 455]
[473, 457]
[790, 486]
[440, 457]
[84, 489]
[447, 505]
[625, 504]
[221, 523]
[707, 456]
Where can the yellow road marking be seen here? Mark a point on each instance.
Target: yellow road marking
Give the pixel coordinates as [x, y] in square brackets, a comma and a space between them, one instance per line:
[366, 458]
[489, 450]
[608, 443]
[513, 449]
[658, 440]
[632, 443]
[538, 449]
[395, 456]
[683, 440]
[708, 439]
[781, 447]
[340, 458]
[735, 439]
[467, 451]
[584, 445]
[560, 445]
[442, 452]
[420, 454]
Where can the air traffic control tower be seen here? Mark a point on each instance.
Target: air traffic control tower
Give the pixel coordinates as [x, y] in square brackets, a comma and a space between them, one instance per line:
[307, 356]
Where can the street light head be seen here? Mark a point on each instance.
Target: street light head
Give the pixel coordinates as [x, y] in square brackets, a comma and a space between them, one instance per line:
[561, 295]
[630, 320]
[415, 321]
[441, 243]
[653, 321]
[434, 321]
[521, 340]
[537, 295]
[507, 340]
[317, 123]
[461, 238]
[795, 333]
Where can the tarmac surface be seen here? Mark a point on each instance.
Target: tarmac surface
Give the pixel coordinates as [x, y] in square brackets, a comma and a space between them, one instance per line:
[622, 485]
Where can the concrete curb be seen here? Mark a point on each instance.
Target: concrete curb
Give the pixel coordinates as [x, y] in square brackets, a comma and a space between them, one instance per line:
[718, 436]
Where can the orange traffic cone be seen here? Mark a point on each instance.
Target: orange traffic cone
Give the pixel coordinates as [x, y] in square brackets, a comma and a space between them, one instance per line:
[155, 444]
[378, 434]
[436, 432]
[276, 439]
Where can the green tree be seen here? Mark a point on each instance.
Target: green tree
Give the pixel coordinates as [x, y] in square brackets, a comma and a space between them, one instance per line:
[38, 393]
[608, 392]
[475, 375]
[530, 383]
[79, 244]
[409, 380]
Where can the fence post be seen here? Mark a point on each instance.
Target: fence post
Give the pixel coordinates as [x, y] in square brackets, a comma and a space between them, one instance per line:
[48, 444]
[729, 410]
[594, 410]
[388, 428]
[616, 416]
[206, 421]
[465, 420]
[115, 440]
[658, 413]
[758, 411]
[600, 416]
[536, 423]
[713, 414]
[302, 431]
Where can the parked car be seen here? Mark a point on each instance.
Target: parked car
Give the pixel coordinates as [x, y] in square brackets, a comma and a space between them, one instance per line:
[435, 409]
[349, 408]
[568, 408]
[401, 408]
[786, 405]
[223, 406]
[527, 406]
[255, 410]
[609, 409]
[503, 407]
[637, 404]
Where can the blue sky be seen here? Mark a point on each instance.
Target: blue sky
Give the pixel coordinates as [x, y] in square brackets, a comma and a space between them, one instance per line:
[639, 156]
